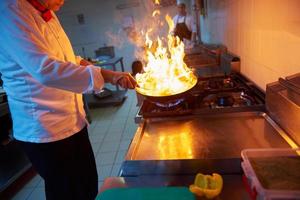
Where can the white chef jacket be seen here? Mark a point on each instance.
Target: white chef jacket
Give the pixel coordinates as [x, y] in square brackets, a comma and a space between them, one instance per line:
[191, 25]
[42, 79]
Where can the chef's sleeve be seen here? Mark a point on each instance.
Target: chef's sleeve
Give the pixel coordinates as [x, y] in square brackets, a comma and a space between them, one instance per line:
[25, 45]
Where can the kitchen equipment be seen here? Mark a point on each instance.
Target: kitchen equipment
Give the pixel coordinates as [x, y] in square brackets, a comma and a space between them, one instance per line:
[205, 56]
[210, 143]
[165, 98]
[106, 52]
[159, 193]
[283, 104]
[117, 96]
[104, 93]
[233, 93]
[219, 83]
[230, 63]
[224, 100]
[272, 173]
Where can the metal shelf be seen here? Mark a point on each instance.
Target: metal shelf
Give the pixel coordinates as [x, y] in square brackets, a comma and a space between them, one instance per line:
[117, 98]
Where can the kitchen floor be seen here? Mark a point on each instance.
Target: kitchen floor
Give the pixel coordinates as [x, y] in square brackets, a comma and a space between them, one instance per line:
[110, 133]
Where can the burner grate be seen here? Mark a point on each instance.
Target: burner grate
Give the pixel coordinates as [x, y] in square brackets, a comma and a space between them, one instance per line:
[210, 95]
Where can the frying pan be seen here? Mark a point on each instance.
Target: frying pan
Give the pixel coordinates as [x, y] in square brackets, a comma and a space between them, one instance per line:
[165, 98]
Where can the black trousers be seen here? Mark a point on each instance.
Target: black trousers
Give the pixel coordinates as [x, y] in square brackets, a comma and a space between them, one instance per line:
[67, 166]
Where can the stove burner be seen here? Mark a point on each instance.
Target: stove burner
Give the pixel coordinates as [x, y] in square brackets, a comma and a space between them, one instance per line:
[224, 100]
[214, 94]
[169, 104]
[228, 83]
[154, 109]
[227, 99]
[219, 83]
[247, 100]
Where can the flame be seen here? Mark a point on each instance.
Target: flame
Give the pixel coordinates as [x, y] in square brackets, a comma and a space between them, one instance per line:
[155, 12]
[170, 23]
[157, 2]
[165, 72]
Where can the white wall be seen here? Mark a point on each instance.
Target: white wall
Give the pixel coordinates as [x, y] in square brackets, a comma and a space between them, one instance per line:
[101, 16]
[265, 33]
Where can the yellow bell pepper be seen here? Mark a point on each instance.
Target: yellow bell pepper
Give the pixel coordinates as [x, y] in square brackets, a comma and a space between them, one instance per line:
[207, 185]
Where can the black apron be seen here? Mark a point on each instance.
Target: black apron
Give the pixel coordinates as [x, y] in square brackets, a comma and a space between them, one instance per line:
[182, 31]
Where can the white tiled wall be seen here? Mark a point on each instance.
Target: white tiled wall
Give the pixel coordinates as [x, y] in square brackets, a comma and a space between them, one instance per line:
[265, 33]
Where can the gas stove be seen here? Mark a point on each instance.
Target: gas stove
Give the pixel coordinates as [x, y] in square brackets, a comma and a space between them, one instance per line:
[218, 94]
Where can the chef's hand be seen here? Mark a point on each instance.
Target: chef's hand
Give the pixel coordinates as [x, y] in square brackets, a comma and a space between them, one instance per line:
[123, 79]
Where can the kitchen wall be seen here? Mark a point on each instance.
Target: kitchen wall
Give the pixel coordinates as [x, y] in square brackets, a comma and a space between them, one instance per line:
[265, 33]
[103, 25]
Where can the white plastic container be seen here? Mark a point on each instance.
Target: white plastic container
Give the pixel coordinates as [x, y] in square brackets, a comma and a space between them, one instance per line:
[254, 157]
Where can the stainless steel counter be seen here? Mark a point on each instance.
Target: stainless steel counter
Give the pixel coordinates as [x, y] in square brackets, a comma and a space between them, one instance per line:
[215, 136]
[211, 143]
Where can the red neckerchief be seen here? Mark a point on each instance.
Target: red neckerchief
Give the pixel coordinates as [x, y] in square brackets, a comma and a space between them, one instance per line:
[46, 13]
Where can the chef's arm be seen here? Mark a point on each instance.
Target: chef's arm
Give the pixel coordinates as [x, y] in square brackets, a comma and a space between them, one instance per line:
[83, 62]
[28, 49]
[123, 79]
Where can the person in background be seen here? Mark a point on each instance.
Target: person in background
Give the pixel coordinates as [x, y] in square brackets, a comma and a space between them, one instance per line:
[44, 82]
[185, 27]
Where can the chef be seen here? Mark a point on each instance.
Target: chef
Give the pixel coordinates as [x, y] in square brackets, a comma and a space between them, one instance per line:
[185, 28]
[44, 82]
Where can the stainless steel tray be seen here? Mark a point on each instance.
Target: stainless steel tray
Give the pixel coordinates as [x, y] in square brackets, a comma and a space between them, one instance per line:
[211, 143]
